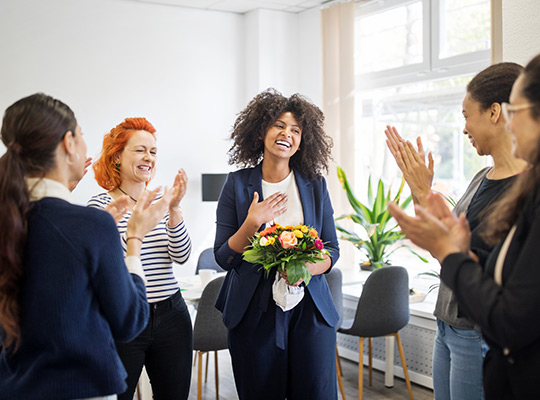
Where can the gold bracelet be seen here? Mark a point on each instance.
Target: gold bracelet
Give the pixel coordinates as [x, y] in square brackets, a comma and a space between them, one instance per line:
[134, 237]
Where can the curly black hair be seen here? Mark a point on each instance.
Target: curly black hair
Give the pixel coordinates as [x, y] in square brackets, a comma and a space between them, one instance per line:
[314, 154]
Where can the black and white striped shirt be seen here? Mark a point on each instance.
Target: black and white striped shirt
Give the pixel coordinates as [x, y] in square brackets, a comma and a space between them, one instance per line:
[161, 247]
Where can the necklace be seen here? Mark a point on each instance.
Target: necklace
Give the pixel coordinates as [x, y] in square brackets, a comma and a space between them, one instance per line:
[119, 188]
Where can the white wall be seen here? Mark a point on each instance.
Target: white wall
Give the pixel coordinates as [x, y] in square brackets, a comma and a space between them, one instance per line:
[188, 71]
[283, 51]
[110, 59]
[521, 30]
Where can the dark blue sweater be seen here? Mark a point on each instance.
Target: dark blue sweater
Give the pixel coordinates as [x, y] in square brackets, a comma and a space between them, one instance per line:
[77, 297]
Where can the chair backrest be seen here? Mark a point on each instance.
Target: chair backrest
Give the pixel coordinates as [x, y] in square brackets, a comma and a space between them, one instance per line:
[209, 332]
[383, 307]
[207, 261]
[335, 283]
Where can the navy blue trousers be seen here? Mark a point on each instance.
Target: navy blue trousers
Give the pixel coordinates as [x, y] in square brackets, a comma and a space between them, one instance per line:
[165, 348]
[304, 369]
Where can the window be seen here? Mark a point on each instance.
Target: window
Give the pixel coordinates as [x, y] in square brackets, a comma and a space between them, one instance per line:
[413, 60]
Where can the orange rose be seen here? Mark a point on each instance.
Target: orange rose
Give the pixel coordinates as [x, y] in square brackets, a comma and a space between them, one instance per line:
[288, 240]
[313, 232]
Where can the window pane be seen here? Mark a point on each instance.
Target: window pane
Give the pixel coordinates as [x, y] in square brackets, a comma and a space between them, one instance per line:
[389, 39]
[465, 27]
[431, 110]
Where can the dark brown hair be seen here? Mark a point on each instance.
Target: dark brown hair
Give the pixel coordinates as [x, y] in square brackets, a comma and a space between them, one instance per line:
[314, 154]
[494, 84]
[32, 128]
[504, 213]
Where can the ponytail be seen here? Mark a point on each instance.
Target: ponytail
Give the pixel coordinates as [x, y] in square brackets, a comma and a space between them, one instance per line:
[32, 128]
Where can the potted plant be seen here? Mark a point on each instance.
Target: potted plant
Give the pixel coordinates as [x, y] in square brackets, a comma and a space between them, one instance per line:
[375, 219]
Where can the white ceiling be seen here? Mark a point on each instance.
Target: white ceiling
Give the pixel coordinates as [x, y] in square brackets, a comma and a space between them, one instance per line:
[243, 6]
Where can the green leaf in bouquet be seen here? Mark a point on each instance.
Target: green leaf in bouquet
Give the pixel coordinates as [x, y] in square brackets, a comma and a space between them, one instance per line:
[252, 256]
[296, 270]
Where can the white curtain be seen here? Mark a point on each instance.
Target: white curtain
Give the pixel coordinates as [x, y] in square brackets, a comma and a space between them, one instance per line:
[338, 103]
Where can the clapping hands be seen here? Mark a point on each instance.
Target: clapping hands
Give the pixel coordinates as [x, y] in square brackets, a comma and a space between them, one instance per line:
[412, 164]
[179, 188]
[434, 228]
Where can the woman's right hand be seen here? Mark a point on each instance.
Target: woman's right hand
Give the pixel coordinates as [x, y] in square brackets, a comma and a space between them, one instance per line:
[434, 228]
[145, 215]
[117, 208]
[268, 209]
[412, 164]
[258, 214]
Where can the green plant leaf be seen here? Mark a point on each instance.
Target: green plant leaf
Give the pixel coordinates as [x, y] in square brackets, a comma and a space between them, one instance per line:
[374, 219]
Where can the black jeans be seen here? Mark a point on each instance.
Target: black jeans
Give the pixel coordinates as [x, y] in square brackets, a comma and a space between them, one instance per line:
[165, 348]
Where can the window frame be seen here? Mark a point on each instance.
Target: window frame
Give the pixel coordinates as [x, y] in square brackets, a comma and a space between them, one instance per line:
[432, 67]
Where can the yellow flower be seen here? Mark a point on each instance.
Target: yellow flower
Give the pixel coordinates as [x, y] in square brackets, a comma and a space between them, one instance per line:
[271, 241]
[289, 228]
[302, 228]
[265, 241]
[298, 234]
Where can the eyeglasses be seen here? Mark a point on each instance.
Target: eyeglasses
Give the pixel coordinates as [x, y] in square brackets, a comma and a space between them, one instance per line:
[508, 110]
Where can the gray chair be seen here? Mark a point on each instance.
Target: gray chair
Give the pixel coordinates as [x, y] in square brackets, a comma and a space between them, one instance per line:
[209, 332]
[207, 261]
[335, 283]
[383, 309]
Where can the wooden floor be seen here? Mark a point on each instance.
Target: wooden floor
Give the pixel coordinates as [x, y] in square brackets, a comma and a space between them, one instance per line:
[350, 380]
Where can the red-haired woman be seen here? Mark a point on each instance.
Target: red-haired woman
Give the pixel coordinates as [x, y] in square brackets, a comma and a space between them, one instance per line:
[125, 167]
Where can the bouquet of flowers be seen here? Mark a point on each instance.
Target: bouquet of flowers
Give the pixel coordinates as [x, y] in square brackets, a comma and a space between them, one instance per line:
[287, 248]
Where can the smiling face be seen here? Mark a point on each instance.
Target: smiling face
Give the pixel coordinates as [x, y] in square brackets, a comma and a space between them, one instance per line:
[283, 137]
[138, 159]
[478, 125]
[525, 128]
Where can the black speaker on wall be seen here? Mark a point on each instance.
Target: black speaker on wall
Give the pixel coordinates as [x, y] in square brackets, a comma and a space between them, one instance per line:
[211, 186]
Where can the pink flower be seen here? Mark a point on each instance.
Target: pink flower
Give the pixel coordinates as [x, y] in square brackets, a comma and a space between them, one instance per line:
[288, 239]
[319, 244]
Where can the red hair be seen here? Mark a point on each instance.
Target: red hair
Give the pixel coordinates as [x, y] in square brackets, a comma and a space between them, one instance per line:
[106, 168]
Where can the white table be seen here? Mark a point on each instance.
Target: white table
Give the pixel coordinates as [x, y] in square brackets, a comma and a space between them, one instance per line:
[192, 288]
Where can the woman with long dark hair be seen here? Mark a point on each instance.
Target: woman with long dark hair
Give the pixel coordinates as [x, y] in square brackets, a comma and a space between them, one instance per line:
[65, 291]
[459, 350]
[503, 299]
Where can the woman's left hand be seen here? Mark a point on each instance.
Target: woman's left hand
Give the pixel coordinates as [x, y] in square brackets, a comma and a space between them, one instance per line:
[284, 276]
[179, 188]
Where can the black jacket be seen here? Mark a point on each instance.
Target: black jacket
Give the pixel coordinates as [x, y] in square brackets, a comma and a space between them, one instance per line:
[509, 315]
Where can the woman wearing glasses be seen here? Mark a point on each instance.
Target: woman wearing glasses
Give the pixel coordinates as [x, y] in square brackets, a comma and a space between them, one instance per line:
[459, 349]
[502, 298]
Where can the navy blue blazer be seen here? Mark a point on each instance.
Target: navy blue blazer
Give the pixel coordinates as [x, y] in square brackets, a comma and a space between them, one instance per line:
[243, 277]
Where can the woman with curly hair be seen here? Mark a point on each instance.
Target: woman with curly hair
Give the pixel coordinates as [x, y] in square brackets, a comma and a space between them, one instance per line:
[277, 354]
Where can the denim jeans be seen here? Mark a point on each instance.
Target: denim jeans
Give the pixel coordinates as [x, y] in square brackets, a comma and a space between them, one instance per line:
[165, 348]
[458, 357]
